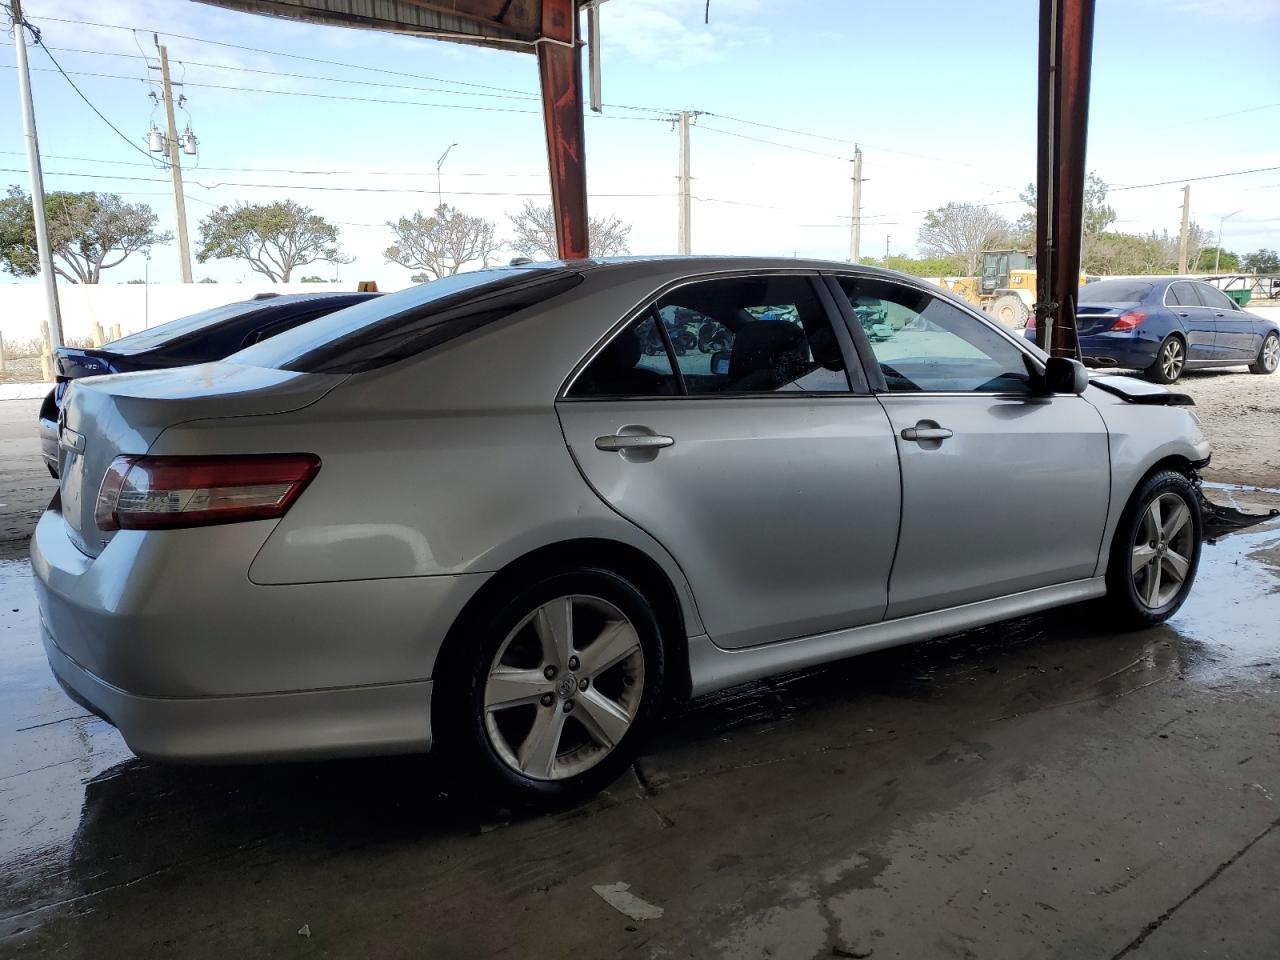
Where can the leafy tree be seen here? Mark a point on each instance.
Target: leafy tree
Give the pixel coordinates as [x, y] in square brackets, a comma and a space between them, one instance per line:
[88, 233]
[535, 233]
[441, 244]
[207, 280]
[1210, 260]
[420, 278]
[1261, 261]
[273, 238]
[313, 279]
[959, 232]
[1098, 216]
[915, 266]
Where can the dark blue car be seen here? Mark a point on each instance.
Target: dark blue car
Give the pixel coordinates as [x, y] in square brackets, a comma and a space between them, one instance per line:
[1165, 325]
[200, 338]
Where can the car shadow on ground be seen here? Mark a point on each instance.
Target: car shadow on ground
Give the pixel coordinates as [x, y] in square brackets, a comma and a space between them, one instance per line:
[140, 818]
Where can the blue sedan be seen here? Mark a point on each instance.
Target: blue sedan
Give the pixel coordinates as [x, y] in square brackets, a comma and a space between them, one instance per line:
[1166, 325]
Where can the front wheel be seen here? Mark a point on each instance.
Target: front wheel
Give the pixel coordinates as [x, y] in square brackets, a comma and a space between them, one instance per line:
[1268, 357]
[551, 695]
[1156, 550]
[1171, 358]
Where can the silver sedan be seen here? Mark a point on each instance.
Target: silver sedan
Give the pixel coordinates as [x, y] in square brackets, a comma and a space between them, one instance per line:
[507, 513]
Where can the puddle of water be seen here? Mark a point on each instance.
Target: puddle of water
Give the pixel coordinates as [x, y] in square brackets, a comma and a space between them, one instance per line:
[1233, 613]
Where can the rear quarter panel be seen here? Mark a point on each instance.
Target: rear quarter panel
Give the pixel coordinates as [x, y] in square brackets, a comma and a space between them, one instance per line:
[448, 463]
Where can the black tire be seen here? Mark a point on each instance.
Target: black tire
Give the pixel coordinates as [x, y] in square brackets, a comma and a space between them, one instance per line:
[1011, 311]
[1123, 595]
[1171, 360]
[1268, 355]
[458, 711]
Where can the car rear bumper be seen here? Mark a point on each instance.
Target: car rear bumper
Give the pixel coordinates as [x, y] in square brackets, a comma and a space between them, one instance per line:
[1118, 350]
[352, 721]
[165, 636]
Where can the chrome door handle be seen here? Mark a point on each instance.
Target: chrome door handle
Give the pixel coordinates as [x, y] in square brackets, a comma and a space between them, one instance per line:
[1181, 314]
[916, 434]
[640, 441]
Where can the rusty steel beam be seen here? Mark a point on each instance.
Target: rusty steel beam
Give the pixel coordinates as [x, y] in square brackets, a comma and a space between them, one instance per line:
[560, 70]
[1066, 55]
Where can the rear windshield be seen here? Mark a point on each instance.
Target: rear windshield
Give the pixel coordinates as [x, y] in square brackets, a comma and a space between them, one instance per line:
[400, 325]
[1114, 291]
[166, 333]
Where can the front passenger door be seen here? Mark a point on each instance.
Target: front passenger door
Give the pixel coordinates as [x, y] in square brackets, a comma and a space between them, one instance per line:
[1003, 490]
[1235, 338]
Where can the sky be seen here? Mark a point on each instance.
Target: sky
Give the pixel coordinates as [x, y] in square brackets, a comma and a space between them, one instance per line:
[939, 96]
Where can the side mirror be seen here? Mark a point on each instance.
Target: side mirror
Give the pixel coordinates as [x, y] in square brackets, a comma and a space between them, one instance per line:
[1064, 375]
[720, 363]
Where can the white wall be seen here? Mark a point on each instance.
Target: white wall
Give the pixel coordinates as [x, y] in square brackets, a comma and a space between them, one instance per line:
[132, 305]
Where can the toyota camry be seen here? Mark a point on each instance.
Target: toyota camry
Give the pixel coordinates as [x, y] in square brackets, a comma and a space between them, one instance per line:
[507, 515]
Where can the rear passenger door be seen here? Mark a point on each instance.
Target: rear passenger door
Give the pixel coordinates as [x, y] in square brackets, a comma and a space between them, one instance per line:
[722, 419]
[1198, 320]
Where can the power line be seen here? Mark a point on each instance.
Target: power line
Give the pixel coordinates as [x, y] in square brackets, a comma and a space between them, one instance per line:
[327, 189]
[775, 143]
[1207, 176]
[35, 34]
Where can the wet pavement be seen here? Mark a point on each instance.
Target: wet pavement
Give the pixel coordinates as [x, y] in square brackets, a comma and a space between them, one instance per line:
[1037, 788]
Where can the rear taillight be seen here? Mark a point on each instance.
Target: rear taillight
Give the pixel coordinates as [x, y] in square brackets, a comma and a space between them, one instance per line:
[151, 493]
[1128, 320]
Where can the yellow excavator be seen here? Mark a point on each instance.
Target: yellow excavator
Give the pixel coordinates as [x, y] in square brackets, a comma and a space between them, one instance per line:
[1006, 288]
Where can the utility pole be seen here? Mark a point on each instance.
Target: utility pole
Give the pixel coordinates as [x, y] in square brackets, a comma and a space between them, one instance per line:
[175, 165]
[685, 238]
[855, 229]
[53, 316]
[887, 238]
[1182, 237]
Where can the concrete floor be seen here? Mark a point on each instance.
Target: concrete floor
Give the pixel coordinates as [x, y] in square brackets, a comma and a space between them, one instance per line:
[1040, 788]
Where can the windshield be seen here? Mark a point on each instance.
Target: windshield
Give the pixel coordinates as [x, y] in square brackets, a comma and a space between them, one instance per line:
[165, 333]
[399, 325]
[1114, 291]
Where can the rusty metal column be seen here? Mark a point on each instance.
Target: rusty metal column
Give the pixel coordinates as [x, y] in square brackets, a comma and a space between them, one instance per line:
[560, 70]
[1066, 54]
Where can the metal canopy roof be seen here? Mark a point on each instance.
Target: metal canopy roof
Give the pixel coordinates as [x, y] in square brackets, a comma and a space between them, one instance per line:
[497, 23]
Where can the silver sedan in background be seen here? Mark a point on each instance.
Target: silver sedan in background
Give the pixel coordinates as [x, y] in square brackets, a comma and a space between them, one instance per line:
[507, 513]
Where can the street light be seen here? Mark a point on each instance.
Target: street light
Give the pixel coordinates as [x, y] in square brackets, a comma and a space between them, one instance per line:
[439, 164]
[1217, 254]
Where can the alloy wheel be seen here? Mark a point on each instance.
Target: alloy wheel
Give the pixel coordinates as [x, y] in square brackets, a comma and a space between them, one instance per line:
[564, 688]
[1171, 360]
[1271, 353]
[1164, 543]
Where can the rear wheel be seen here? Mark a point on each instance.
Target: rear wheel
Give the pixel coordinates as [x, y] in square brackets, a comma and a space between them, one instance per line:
[1010, 310]
[553, 692]
[1268, 356]
[1171, 359]
[1156, 550]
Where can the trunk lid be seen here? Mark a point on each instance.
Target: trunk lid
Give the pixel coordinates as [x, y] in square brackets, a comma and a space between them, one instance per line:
[124, 414]
[1099, 317]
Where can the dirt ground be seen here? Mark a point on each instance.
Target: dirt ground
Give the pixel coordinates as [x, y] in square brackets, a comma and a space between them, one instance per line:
[1241, 417]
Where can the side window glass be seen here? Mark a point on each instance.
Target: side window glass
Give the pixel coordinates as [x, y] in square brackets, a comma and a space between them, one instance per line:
[753, 335]
[1213, 297]
[635, 363]
[923, 343]
[1177, 296]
